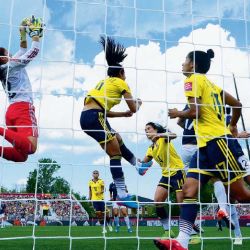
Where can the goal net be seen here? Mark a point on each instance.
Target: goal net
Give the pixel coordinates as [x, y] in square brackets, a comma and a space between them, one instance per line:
[157, 35]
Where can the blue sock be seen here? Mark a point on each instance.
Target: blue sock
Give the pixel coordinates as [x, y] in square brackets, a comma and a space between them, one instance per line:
[127, 154]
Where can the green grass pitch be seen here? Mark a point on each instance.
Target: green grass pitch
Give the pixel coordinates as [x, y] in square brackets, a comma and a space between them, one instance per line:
[126, 241]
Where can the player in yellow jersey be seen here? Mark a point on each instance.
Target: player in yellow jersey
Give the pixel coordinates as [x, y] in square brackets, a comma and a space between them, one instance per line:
[96, 194]
[216, 154]
[173, 175]
[97, 106]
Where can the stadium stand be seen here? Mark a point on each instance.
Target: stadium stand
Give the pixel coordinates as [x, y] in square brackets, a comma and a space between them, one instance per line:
[59, 207]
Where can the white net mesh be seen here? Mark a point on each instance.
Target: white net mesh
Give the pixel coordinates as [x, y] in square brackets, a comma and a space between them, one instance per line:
[158, 35]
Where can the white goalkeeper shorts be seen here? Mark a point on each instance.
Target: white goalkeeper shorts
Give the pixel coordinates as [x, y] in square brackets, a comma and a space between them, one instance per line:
[116, 206]
[188, 151]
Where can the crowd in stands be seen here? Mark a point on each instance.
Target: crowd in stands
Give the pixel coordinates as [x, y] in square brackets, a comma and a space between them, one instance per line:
[211, 210]
[243, 209]
[61, 206]
[64, 206]
[63, 210]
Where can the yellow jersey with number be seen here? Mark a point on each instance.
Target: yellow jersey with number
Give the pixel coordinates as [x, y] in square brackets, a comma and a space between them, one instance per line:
[166, 156]
[97, 189]
[108, 92]
[211, 123]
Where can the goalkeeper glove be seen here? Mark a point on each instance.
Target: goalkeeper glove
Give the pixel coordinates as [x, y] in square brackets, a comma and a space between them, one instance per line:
[36, 27]
[22, 28]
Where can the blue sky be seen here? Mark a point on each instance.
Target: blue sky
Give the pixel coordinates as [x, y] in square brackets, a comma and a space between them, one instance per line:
[158, 34]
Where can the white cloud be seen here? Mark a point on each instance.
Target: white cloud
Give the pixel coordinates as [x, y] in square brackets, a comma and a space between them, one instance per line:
[101, 161]
[57, 47]
[152, 75]
[64, 148]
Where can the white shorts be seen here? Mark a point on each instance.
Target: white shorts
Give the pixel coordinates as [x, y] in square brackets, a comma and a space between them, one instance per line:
[116, 206]
[2, 216]
[188, 151]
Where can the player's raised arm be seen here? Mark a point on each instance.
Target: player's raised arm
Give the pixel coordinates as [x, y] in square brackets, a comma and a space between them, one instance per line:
[23, 34]
[23, 37]
[35, 31]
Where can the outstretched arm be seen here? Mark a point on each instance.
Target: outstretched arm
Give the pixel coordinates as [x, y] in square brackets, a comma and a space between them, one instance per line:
[23, 38]
[28, 56]
[35, 26]
[113, 114]
[168, 135]
[22, 30]
[134, 105]
[243, 134]
[146, 159]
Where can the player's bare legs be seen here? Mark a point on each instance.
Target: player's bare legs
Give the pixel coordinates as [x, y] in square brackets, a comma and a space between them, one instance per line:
[238, 191]
[124, 213]
[161, 194]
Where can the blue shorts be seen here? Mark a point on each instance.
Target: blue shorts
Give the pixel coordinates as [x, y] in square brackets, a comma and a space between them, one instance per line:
[217, 159]
[174, 182]
[94, 123]
[99, 206]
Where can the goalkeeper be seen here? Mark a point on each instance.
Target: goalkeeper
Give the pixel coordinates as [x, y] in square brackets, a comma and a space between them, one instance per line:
[20, 116]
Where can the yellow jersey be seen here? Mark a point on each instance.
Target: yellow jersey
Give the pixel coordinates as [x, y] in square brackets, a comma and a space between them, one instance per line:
[108, 93]
[211, 123]
[96, 187]
[166, 156]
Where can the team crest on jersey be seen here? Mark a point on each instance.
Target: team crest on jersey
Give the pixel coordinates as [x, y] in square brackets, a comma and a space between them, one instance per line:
[188, 86]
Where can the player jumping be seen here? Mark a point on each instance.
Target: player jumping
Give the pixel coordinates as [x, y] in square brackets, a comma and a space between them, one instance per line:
[97, 106]
[20, 116]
